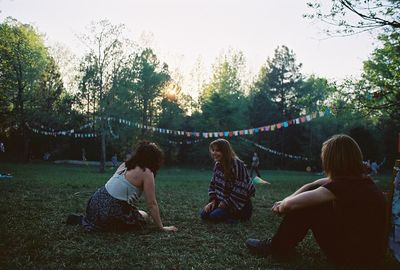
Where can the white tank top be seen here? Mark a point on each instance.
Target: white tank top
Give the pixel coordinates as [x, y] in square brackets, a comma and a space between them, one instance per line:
[120, 188]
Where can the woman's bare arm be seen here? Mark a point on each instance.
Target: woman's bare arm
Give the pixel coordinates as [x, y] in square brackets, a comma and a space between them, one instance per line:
[150, 195]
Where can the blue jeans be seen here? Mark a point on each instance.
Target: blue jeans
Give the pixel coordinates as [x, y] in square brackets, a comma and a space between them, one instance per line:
[228, 215]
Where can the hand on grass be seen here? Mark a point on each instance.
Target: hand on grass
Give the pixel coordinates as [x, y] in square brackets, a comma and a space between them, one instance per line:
[209, 207]
[169, 229]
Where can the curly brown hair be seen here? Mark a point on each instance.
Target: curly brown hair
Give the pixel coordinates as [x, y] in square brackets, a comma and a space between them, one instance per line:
[147, 155]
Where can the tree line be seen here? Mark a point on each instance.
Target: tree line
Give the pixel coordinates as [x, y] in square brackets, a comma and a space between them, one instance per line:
[117, 79]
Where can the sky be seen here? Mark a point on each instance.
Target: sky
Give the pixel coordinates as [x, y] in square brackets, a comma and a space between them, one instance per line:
[184, 31]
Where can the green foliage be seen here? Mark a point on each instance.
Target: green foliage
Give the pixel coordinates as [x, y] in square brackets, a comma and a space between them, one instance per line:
[51, 104]
[275, 98]
[314, 94]
[23, 59]
[381, 77]
[280, 79]
[32, 91]
[172, 116]
[224, 95]
[226, 79]
[373, 101]
[100, 63]
[148, 77]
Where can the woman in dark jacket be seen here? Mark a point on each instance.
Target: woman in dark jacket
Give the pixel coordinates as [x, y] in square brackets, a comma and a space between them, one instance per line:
[345, 211]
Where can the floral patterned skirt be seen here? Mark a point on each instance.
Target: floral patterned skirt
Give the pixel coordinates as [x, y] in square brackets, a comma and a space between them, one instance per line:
[105, 213]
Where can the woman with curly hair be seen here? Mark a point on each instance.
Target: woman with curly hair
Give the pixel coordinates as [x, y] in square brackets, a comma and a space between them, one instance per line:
[113, 207]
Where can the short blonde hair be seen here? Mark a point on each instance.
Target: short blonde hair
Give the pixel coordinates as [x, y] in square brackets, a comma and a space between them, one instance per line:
[341, 157]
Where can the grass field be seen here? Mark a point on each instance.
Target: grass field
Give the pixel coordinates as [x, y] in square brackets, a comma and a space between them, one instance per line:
[34, 204]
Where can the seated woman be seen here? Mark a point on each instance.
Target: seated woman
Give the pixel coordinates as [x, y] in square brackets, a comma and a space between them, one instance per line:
[231, 189]
[345, 211]
[113, 207]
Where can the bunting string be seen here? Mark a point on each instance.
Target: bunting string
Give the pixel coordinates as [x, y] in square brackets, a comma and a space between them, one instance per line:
[111, 131]
[184, 142]
[194, 134]
[274, 152]
[70, 133]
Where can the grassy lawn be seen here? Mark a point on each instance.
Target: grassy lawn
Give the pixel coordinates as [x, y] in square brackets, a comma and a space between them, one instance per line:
[34, 204]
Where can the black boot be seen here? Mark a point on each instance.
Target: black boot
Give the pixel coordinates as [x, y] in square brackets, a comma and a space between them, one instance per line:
[259, 247]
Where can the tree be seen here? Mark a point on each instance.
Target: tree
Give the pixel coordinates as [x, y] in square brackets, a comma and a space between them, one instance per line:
[380, 84]
[102, 60]
[171, 112]
[145, 78]
[172, 116]
[51, 105]
[222, 101]
[262, 109]
[377, 93]
[23, 59]
[355, 16]
[278, 85]
[135, 95]
[281, 79]
[67, 62]
[313, 94]
[227, 78]
[197, 80]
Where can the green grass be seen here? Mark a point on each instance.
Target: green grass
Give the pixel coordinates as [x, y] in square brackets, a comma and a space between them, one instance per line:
[34, 204]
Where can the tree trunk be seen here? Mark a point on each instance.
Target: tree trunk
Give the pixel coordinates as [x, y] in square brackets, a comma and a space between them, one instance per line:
[103, 150]
[25, 139]
[21, 116]
[144, 117]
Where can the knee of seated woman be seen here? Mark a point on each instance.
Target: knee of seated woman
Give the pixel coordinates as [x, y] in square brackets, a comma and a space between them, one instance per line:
[218, 213]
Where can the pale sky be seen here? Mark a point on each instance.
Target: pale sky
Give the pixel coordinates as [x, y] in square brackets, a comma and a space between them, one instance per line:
[184, 30]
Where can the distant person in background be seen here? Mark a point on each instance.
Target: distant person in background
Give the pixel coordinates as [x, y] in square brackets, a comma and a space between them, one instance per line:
[46, 156]
[345, 211]
[231, 189]
[2, 151]
[114, 160]
[113, 207]
[83, 154]
[375, 166]
[254, 165]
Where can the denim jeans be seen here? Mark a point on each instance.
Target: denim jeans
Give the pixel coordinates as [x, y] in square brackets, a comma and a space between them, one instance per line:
[228, 215]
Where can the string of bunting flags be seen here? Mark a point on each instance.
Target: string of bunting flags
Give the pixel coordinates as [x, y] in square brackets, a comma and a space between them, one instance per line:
[271, 151]
[71, 133]
[184, 142]
[195, 134]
